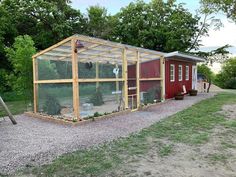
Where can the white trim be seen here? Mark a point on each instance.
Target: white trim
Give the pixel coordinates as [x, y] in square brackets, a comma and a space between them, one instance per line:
[186, 56]
[180, 66]
[194, 77]
[187, 73]
[172, 65]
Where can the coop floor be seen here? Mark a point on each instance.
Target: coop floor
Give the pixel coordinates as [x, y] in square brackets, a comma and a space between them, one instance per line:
[36, 142]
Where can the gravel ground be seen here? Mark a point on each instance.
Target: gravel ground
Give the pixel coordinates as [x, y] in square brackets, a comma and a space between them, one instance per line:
[36, 142]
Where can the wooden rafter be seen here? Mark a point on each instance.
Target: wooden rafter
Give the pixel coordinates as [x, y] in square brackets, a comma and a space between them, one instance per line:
[53, 47]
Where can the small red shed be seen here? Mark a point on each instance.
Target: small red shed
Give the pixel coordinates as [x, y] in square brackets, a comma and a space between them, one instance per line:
[180, 74]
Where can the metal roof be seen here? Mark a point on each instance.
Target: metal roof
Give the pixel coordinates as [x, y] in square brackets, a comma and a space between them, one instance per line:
[184, 56]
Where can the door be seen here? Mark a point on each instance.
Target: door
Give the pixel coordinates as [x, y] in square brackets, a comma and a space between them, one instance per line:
[194, 77]
[132, 87]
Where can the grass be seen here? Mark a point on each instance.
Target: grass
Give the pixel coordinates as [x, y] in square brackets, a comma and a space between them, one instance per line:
[214, 158]
[165, 150]
[16, 107]
[191, 126]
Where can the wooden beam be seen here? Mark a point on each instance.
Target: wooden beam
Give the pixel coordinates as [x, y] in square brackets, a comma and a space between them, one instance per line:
[97, 75]
[162, 70]
[52, 47]
[8, 111]
[55, 54]
[75, 79]
[125, 77]
[35, 78]
[138, 78]
[151, 79]
[101, 80]
[117, 86]
[116, 45]
[53, 81]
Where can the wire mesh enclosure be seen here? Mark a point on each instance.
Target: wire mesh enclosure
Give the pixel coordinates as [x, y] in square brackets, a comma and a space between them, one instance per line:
[81, 77]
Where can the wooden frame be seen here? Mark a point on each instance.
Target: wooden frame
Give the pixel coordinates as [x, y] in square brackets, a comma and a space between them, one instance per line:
[127, 54]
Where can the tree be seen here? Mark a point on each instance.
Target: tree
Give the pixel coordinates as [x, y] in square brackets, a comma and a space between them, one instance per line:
[19, 56]
[226, 6]
[227, 77]
[98, 22]
[219, 55]
[206, 71]
[157, 25]
[46, 21]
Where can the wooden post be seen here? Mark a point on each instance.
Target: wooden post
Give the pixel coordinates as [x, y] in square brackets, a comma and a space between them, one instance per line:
[35, 78]
[7, 110]
[117, 86]
[162, 69]
[125, 77]
[138, 79]
[75, 79]
[97, 74]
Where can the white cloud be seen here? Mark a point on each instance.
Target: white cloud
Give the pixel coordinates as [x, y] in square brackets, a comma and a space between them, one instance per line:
[226, 35]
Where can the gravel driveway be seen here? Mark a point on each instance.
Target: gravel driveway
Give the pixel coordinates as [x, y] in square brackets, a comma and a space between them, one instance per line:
[36, 142]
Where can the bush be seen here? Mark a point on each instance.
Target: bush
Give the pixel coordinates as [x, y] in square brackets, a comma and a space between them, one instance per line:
[12, 96]
[151, 95]
[52, 106]
[97, 98]
[231, 83]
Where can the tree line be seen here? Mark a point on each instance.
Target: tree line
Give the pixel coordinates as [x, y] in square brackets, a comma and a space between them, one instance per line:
[32, 25]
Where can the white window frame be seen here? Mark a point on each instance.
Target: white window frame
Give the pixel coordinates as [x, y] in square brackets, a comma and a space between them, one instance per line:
[187, 73]
[172, 75]
[180, 74]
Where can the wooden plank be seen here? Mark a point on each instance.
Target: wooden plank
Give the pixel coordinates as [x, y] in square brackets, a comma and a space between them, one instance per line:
[101, 80]
[54, 54]
[35, 85]
[151, 79]
[116, 45]
[117, 86]
[97, 74]
[125, 77]
[52, 47]
[138, 78]
[162, 70]
[7, 111]
[75, 80]
[53, 81]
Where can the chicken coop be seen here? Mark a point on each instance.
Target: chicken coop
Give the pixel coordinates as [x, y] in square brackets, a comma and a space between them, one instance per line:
[83, 76]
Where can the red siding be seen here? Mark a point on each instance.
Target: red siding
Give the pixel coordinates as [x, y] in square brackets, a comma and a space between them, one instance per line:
[172, 88]
[151, 69]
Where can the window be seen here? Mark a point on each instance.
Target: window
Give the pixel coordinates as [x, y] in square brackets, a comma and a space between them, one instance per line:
[172, 73]
[187, 73]
[180, 73]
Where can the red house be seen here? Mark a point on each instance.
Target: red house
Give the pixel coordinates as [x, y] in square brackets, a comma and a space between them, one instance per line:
[180, 74]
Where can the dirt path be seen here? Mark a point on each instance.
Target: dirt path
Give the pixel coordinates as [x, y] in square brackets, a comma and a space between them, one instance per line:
[35, 142]
[215, 158]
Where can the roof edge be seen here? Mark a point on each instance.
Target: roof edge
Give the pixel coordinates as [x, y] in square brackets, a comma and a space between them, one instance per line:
[184, 55]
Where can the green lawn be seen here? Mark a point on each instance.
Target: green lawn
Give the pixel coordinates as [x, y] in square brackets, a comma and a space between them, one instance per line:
[192, 126]
[16, 107]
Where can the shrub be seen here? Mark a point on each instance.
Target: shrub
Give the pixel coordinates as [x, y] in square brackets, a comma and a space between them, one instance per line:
[52, 105]
[151, 95]
[231, 83]
[97, 98]
[12, 96]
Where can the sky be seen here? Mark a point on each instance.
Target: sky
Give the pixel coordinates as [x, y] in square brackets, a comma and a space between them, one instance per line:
[215, 39]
